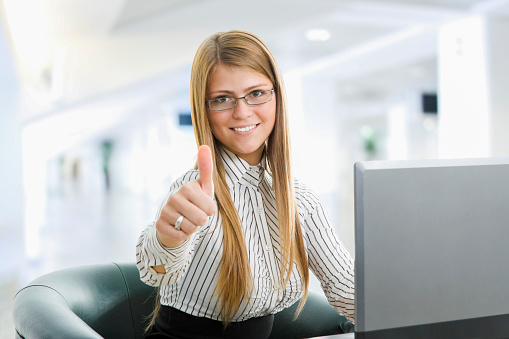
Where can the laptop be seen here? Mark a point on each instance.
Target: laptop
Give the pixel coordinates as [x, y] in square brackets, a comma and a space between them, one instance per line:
[432, 249]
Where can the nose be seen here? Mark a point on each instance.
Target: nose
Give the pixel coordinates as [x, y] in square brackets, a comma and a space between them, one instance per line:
[242, 110]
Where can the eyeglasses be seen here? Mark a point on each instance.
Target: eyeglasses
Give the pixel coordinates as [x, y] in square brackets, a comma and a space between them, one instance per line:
[224, 103]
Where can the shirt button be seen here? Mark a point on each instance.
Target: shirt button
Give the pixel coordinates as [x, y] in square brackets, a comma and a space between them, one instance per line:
[267, 248]
[260, 210]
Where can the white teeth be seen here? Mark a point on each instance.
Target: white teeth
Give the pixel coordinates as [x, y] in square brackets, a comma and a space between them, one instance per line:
[245, 129]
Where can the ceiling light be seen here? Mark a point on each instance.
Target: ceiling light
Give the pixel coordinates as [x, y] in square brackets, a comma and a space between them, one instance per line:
[318, 34]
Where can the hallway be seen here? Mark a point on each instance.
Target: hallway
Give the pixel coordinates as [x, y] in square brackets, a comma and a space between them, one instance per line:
[79, 230]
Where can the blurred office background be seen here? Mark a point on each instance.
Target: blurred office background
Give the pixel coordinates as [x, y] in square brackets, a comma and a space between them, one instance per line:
[94, 107]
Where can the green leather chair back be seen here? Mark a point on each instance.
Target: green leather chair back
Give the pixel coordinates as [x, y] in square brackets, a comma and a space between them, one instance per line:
[110, 301]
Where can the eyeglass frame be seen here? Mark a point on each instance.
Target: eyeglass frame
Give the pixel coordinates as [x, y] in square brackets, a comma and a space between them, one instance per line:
[207, 102]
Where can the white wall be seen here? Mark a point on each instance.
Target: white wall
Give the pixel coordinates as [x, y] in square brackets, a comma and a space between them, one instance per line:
[11, 193]
[497, 47]
[474, 77]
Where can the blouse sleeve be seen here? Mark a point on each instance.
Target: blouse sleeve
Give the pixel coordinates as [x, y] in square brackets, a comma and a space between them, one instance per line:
[328, 258]
[150, 252]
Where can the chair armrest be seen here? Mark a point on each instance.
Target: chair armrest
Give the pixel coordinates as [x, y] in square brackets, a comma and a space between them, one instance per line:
[97, 296]
[41, 312]
[142, 297]
[318, 318]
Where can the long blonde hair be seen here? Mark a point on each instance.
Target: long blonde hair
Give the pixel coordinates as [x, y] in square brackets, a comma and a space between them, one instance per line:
[242, 49]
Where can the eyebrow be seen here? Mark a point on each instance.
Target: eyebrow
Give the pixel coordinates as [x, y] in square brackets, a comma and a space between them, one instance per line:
[245, 90]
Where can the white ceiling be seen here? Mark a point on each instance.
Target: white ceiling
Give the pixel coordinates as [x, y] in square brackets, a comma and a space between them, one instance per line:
[74, 51]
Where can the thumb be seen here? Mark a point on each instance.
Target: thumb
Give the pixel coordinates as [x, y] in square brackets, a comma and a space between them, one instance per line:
[206, 167]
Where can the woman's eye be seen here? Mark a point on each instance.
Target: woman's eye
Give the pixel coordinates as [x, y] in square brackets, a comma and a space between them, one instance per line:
[256, 94]
[221, 100]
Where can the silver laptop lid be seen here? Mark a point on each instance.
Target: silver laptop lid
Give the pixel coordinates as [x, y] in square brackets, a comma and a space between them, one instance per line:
[432, 245]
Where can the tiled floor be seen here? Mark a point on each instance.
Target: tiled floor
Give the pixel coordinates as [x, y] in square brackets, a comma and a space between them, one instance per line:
[7, 292]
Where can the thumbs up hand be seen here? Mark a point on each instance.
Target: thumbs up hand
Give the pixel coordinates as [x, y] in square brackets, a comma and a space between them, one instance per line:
[194, 202]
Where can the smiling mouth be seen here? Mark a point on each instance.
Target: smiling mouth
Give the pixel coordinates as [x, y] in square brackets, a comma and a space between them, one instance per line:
[245, 129]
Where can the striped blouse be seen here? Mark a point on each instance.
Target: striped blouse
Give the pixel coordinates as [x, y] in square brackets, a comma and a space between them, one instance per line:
[192, 269]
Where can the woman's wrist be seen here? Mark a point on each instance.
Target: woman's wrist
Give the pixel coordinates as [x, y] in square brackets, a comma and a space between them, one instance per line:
[168, 242]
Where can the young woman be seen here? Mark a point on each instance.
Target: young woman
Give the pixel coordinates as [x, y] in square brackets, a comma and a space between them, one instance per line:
[235, 238]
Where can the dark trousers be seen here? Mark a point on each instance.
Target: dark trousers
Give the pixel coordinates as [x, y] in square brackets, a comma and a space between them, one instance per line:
[175, 324]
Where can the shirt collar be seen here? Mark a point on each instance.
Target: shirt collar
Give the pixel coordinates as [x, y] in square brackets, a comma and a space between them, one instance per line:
[237, 170]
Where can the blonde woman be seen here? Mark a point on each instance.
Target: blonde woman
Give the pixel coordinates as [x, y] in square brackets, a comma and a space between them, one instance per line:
[235, 237]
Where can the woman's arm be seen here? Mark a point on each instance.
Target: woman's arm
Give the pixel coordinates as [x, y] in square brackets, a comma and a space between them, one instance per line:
[328, 258]
[164, 250]
[172, 263]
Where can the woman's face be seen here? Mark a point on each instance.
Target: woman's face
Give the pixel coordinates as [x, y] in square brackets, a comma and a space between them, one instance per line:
[244, 128]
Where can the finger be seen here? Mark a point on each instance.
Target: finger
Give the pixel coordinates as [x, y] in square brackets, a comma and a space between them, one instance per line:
[187, 227]
[194, 206]
[206, 168]
[168, 226]
[168, 235]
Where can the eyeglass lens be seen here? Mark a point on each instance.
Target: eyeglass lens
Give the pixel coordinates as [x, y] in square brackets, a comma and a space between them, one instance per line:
[254, 98]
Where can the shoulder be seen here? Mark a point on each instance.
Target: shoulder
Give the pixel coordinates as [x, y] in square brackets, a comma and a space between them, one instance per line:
[307, 200]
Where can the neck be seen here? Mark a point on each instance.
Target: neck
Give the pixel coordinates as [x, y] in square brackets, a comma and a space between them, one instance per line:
[253, 158]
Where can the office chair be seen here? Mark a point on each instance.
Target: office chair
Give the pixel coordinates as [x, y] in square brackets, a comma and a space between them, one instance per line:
[110, 301]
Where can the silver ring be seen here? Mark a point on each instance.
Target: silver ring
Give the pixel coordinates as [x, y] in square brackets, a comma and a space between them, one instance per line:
[178, 222]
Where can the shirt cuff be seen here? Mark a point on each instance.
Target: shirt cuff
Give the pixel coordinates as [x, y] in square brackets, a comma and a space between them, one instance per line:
[172, 255]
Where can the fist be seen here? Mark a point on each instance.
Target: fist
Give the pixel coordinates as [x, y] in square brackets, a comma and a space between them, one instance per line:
[194, 202]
